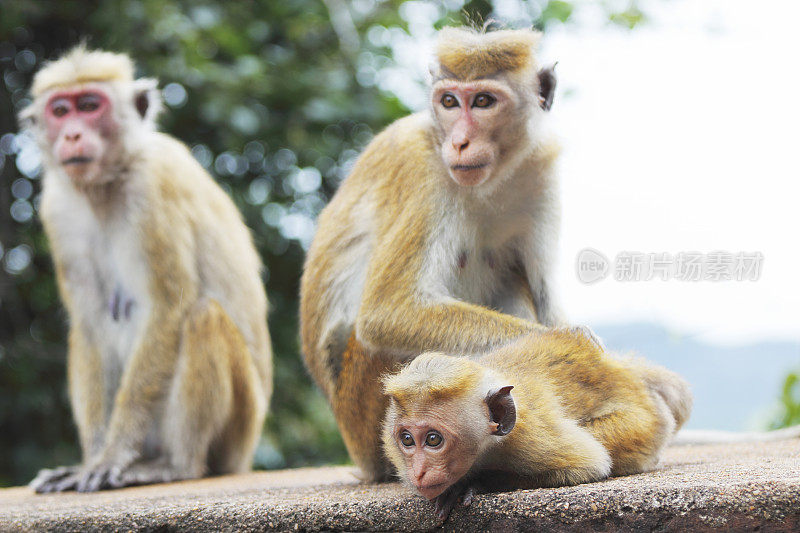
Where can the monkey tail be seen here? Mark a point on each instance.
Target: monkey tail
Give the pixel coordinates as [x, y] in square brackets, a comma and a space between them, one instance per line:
[709, 436]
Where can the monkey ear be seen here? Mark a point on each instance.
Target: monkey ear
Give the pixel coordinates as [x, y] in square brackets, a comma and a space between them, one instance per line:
[547, 86]
[27, 117]
[502, 410]
[147, 99]
[433, 70]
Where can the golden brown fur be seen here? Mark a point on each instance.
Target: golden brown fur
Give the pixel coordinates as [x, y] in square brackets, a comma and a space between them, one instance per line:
[469, 54]
[80, 66]
[569, 397]
[385, 279]
[169, 360]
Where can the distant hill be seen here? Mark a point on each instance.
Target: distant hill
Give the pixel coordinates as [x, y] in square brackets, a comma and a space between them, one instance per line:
[735, 388]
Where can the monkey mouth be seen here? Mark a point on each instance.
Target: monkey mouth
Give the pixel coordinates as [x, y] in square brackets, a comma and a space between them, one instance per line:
[77, 160]
[432, 491]
[469, 167]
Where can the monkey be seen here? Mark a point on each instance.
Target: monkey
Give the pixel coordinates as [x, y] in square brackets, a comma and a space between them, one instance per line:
[576, 414]
[169, 357]
[442, 237]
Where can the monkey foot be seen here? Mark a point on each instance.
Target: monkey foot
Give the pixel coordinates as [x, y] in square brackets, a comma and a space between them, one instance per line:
[148, 473]
[446, 502]
[99, 477]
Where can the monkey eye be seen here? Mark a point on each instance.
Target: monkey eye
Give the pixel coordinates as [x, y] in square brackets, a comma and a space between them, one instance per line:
[406, 439]
[59, 108]
[448, 100]
[88, 103]
[483, 100]
[433, 439]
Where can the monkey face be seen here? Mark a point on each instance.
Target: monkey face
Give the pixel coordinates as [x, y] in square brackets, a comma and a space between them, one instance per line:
[472, 117]
[80, 128]
[435, 453]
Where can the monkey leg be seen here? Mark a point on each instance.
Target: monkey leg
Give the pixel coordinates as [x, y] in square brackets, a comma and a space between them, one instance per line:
[233, 448]
[214, 408]
[633, 433]
[147, 472]
[217, 405]
[359, 406]
[644, 419]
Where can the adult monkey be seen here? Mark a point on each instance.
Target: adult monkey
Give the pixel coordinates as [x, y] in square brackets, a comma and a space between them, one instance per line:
[442, 236]
[169, 359]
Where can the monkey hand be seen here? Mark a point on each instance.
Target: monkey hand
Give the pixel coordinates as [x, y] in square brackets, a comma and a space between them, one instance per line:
[587, 332]
[106, 472]
[56, 479]
[463, 492]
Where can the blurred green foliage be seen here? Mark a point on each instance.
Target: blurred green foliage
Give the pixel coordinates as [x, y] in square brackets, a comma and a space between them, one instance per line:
[275, 99]
[789, 403]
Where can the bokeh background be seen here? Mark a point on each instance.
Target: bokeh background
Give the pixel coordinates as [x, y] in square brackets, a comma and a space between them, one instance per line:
[679, 120]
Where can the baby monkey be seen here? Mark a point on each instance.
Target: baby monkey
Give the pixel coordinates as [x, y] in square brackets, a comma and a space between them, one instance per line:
[576, 415]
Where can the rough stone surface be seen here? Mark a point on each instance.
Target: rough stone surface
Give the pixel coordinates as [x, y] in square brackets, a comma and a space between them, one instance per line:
[739, 487]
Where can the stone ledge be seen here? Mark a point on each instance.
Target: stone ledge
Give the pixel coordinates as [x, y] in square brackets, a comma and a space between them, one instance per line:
[700, 487]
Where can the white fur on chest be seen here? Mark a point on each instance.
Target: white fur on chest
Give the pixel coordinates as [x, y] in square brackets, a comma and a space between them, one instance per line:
[487, 243]
[470, 255]
[105, 270]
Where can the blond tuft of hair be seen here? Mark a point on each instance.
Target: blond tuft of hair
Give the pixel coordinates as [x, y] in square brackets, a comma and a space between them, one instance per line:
[468, 53]
[81, 65]
[432, 376]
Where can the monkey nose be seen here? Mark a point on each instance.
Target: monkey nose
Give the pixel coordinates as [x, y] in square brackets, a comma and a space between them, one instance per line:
[420, 483]
[460, 145]
[417, 473]
[72, 137]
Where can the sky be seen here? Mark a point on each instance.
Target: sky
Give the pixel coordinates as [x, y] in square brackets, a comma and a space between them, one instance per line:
[682, 136]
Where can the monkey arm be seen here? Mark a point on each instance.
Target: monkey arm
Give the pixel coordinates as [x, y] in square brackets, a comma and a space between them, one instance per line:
[88, 400]
[397, 315]
[85, 376]
[144, 383]
[86, 391]
[452, 327]
[537, 248]
[547, 311]
[548, 451]
[169, 248]
[535, 266]
[516, 298]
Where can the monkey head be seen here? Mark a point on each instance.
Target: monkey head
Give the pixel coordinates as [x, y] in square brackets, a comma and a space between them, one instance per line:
[441, 420]
[88, 112]
[486, 90]
[82, 131]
